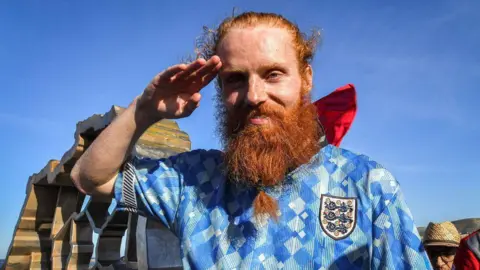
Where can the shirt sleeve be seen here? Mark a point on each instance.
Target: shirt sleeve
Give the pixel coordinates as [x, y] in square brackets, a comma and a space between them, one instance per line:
[396, 242]
[151, 187]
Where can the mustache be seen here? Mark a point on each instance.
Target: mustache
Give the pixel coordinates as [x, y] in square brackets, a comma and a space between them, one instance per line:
[240, 116]
[245, 113]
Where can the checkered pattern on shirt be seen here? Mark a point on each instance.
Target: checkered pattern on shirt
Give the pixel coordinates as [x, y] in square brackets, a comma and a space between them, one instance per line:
[214, 218]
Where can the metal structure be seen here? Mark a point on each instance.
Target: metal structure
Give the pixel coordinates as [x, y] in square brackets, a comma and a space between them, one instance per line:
[54, 231]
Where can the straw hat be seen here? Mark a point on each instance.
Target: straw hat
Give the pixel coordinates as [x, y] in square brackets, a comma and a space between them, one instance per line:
[441, 234]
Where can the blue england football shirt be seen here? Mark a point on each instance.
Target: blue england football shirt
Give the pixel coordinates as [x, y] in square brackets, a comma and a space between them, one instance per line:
[340, 211]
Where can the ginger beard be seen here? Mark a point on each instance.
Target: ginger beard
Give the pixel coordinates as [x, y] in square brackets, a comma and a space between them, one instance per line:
[261, 156]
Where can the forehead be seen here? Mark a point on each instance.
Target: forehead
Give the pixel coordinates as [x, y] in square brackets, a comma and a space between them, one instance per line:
[242, 47]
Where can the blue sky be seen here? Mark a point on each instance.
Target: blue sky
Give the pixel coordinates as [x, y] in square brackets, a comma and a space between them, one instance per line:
[416, 66]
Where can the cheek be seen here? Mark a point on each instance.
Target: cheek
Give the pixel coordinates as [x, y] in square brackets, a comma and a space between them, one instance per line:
[288, 93]
[230, 99]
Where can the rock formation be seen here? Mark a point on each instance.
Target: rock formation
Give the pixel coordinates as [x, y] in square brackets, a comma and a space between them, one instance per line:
[54, 232]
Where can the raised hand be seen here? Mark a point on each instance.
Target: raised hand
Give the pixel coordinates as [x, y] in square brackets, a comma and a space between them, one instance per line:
[174, 93]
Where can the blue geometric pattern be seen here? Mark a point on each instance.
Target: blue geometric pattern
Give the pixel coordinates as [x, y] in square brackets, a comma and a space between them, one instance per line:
[214, 221]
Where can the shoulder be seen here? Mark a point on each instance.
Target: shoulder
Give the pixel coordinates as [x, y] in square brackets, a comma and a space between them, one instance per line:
[355, 163]
[343, 156]
[190, 157]
[366, 173]
[199, 156]
[196, 159]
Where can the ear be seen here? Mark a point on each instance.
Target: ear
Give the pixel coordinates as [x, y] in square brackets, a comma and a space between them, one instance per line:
[308, 78]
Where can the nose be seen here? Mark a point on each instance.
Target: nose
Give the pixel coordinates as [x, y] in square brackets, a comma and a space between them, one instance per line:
[438, 262]
[256, 93]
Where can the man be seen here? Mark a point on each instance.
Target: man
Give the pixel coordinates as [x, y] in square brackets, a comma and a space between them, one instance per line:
[468, 253]
[441, 241]
[278, 196]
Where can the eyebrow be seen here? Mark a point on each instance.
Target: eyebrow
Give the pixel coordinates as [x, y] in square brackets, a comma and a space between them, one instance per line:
[226, 70]
[281, 66]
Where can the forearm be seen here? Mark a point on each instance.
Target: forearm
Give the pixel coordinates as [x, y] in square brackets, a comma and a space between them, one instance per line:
[102, 160]
[172, 93]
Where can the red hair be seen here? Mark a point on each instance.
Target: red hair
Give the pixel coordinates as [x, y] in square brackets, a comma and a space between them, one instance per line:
[245, 159]
[304, 45]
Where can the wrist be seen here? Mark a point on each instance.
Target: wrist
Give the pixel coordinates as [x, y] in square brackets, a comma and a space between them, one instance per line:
[143, 118]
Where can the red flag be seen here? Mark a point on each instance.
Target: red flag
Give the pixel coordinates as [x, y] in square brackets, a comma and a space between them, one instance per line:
[337, 111]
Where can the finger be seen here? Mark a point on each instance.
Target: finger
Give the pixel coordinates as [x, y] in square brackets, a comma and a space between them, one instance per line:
[193, 67]
[210, 76]
[208, 67]
[172, 71]
[189, 103]
[192, 104]
[195, 98]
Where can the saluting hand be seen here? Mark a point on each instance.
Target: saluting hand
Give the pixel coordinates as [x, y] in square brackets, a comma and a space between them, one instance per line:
[174, 93]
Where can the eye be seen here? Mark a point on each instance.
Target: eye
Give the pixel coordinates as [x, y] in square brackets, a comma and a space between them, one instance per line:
[234, 78]
[274, 75]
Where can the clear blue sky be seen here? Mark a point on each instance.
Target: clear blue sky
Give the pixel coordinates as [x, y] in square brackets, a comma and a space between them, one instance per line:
[416, 65]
